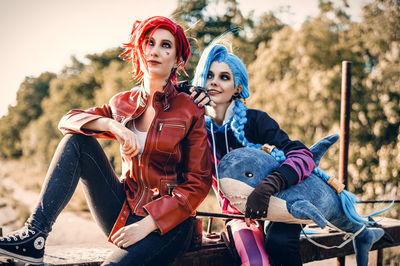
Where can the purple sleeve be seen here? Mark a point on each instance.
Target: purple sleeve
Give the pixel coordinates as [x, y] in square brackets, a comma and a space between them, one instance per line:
[298, 165]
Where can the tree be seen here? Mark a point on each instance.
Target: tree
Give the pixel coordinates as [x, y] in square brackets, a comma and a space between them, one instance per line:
[206, 20]
[29, 97]
[376, 157]
[296, 78]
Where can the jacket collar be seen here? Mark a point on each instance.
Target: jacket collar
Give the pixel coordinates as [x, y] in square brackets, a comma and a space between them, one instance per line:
[162, 97]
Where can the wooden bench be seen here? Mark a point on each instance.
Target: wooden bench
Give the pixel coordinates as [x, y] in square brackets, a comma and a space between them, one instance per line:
[214, 251]
[218, 252]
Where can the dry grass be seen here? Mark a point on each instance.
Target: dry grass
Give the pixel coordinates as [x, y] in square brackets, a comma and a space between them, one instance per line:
[30, 176]
[25, 173]
[22, 211]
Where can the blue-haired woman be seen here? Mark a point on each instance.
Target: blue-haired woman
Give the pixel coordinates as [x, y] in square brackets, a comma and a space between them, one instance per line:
[231, 125]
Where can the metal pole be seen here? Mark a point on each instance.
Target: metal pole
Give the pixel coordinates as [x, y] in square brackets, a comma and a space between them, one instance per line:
[379, 257]
[345, 130]
[210, 224]
[220, 215]
[345, 121]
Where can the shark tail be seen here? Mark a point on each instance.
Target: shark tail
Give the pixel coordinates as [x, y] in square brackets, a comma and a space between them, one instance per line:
[363, 244]
[348, 199]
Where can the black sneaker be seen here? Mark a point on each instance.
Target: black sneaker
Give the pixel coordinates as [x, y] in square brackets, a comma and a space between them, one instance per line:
[26, 245]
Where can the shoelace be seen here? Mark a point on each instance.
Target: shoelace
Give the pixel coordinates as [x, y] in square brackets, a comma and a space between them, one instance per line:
[22, 234]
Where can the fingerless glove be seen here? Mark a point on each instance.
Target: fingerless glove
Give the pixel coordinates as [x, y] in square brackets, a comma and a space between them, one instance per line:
[258, 201]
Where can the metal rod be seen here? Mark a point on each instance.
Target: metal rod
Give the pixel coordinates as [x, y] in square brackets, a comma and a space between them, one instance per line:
[379, 257]
[341, 261]
[345, 130]
[241, 216]
[210, 224]
[378, 201]
[220, 215]
[345, 121]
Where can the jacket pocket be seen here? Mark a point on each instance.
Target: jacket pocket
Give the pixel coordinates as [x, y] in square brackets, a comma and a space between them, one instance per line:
[170, 134]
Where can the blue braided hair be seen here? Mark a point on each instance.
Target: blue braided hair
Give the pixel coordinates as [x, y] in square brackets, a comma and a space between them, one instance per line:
[237, 125]
[217, 52]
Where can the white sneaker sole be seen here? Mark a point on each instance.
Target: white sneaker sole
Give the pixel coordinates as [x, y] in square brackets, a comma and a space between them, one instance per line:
[21, 258]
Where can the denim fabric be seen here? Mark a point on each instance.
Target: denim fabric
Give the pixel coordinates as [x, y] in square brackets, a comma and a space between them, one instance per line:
[282, 244]
[155, 249]
[80, 157]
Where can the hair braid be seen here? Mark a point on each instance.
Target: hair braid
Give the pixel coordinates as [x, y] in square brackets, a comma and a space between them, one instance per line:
[237, 125]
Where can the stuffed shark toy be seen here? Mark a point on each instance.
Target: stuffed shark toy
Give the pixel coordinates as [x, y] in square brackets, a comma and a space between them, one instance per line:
[312, 200]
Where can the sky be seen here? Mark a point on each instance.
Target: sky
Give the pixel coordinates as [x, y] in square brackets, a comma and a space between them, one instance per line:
[42, 35]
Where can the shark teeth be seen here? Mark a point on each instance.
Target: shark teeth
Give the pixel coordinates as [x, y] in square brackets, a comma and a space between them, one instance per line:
[234, 196]
[236, 192]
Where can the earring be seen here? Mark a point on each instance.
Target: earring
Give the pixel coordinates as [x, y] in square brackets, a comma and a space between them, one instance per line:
[177, 65]
[236, 96]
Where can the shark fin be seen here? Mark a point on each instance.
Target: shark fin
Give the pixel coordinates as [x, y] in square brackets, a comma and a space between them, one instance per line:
[303, 209]
[319, 148]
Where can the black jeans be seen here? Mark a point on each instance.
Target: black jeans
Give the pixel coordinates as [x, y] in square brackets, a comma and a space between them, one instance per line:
[80, 157]
[282, 244]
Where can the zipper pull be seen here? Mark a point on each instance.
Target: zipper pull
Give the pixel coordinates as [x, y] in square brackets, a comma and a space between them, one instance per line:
[160, 126]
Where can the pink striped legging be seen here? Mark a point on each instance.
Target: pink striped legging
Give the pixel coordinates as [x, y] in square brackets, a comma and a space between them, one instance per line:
[249, 242]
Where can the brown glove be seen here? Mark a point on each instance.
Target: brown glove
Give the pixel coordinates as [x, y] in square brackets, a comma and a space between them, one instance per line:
[258, 201]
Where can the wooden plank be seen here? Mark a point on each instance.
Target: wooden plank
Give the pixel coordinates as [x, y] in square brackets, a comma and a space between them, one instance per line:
[310, 252]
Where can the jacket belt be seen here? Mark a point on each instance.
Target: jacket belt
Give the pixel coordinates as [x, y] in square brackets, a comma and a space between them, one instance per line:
[121, 220]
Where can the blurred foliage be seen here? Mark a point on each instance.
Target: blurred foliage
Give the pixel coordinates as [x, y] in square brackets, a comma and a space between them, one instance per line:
[29, 96]
[205, 20]
[295, 76]
[302, 68]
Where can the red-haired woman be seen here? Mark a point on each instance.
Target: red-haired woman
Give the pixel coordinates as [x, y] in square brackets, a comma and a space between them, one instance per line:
[166, 169]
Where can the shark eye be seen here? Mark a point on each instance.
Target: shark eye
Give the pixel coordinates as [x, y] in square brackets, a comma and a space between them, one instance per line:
[249, 174]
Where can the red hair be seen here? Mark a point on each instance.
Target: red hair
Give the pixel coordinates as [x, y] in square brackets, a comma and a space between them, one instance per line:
[141, 29]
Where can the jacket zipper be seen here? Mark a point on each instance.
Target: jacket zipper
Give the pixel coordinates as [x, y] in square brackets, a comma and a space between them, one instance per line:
[141, 180]
[139, 160]
[161, 125]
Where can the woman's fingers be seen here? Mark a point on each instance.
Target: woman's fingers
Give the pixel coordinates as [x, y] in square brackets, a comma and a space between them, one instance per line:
[118, 237]
[199, 97]
[248, 221]
[205, 101]
[131, 146]
[212, 104]
[193, 95]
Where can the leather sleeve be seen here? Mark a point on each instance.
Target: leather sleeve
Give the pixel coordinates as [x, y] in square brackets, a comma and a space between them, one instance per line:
[169, 211]
[74, 120]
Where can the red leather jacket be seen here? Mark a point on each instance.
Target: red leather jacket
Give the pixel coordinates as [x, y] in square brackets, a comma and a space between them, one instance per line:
[173, 174]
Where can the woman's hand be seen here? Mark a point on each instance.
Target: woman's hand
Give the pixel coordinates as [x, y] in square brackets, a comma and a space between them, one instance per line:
[129, 143]
[133, 233]
[200, 96]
